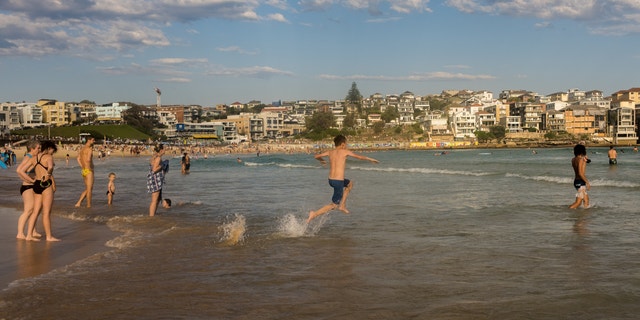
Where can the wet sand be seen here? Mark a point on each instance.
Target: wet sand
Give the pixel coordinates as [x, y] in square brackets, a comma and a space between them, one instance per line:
[24, 259]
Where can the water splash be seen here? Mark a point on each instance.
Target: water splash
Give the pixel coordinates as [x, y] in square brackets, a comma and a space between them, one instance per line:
[290, 227]
[233, 231]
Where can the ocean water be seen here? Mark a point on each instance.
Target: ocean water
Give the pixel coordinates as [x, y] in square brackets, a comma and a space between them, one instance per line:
[472, 234]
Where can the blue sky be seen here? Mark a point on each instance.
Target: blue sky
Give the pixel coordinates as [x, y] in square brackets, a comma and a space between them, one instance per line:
[212, 52]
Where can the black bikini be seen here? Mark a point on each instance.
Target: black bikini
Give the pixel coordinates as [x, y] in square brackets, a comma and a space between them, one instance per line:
[26, 187]
[41, 185]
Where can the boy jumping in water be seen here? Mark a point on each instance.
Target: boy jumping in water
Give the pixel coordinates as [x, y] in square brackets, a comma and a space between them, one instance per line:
[580, 182]
[341, 186]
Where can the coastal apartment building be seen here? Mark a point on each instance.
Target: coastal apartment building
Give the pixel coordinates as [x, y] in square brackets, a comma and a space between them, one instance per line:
[622, 121]
[110, 112]
[54, 112]
[9, 116]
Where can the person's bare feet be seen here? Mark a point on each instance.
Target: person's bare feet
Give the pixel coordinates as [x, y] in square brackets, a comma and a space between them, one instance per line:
[310, 217]
[21, 237]
[53, 239]
[30, 238]
[343, 209]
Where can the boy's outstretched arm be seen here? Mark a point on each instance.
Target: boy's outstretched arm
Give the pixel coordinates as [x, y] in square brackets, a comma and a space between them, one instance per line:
[320, 157]
[361, 157]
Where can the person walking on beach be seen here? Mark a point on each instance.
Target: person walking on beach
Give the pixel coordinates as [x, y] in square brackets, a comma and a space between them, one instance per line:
[85, 160]
[27, 174]
[44, 188]
[580, 182]
[613, 155]
[341, 186]
[155, 178]
[111, 188]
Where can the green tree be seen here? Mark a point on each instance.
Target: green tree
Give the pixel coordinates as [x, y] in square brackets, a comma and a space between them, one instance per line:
[389, 114]
[378, 127]
[354, 98]
[320, 122]
[258, 108]
[484, 136]
[350, 120]
[134, 117]
[417, 128]
[437, 103]
[499, 132]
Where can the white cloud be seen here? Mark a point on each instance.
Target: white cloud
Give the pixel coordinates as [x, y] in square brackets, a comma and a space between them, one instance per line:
[178, 80]
[315, 5]
[439, 75]
[255, 72]
[235, 49]
[543, 25]
[611, 17]
[409, 6]
[373, 6]
[383, 20]
[277, 17]
[139, 69]
[178, 61]
[457, 66]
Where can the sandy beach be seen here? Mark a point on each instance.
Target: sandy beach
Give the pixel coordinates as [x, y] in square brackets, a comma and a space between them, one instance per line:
[25, 259]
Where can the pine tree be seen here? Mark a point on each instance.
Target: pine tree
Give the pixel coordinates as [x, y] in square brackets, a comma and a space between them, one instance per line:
[354, 98]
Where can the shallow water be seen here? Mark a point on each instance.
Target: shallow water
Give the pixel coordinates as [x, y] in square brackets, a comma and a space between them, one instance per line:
[473, 234]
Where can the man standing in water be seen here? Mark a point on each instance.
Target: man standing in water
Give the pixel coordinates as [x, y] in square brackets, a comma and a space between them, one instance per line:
[613, 155]
[580, 182]
[341, 186]
[85, 160]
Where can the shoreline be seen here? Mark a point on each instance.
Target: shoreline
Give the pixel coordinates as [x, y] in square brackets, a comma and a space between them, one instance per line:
[24, 259]
[296, 147]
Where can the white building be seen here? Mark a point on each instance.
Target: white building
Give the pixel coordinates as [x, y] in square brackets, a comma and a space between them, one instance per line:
[30, 114]
[463, 124]
[9, 116]
[110, 112]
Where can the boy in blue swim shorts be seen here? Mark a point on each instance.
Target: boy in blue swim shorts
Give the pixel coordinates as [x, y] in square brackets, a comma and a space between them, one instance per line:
[580, 181]
[341, 186]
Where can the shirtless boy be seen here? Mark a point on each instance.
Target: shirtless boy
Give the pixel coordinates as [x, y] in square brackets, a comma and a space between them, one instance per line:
[85, 160]
[580, 182]
[341, 186]
[613, 155]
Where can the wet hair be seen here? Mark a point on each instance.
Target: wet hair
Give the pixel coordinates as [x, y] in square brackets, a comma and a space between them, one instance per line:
[32, 144]
[112, 174]
[579, 149]
[168, 202]
[158, 147]
[46, 145]
[339, 139]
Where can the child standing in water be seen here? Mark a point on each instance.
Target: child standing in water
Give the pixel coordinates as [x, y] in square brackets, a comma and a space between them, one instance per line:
[111, 188]
[580, 182]
[341, 186]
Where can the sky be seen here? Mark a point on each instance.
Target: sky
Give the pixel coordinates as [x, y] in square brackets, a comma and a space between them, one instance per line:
[211, 52]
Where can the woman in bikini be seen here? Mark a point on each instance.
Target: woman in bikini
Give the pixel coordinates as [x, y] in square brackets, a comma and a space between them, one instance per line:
[28, 175]
[44, 187]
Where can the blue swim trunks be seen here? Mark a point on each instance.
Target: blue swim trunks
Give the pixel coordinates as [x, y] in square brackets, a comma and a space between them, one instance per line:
[577, 183]
[338, 189]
